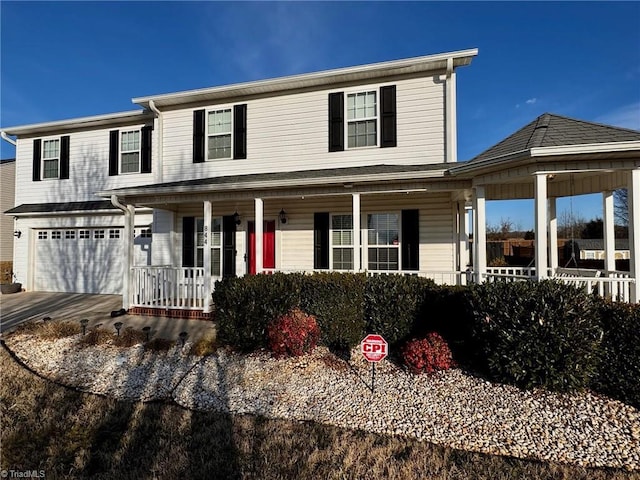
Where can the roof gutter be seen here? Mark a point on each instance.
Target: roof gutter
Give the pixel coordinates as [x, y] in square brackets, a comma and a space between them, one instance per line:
[450, 113]
[159, 163]
[7, 138]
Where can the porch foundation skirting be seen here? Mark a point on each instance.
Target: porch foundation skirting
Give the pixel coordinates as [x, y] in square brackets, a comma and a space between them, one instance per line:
[171, 313]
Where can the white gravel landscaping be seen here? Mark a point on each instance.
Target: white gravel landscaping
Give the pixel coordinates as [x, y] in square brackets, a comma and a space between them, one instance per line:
[450, 408]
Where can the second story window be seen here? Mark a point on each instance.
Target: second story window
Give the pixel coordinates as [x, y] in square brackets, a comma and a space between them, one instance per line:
[50, 158]
[130, 151]
[219, 128]
[362, 119]
[220, 134]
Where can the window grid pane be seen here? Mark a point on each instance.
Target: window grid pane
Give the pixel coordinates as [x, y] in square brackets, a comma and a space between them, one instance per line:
[50, 169]
[219, 130]
[51, 149]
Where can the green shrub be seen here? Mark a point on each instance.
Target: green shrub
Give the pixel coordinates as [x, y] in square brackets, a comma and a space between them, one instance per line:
[619, 372]
[337, 301]
[427, 355]
[537, 333]
[245, 306]
[445, 309]
[393, 305]
[293, 334]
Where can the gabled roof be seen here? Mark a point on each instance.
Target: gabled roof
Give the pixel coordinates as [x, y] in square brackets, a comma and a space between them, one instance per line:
[327, 78]
[550, 130]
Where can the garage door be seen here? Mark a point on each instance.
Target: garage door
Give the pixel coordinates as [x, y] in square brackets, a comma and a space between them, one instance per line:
[79, 260]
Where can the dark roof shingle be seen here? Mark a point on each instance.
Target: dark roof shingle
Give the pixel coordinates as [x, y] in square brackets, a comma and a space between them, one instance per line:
[550, 130]
[62, 207]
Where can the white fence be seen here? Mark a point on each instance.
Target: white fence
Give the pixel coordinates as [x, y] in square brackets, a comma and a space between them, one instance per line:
[168, 287]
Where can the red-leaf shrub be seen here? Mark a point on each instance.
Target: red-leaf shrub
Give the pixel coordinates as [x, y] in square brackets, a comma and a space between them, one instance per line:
[293, 334]
[427, 354]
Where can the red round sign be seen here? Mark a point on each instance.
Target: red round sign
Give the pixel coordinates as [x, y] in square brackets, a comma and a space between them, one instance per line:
[374, 348]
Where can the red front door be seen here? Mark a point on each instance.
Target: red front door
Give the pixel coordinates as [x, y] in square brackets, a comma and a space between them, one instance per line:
[268, 245]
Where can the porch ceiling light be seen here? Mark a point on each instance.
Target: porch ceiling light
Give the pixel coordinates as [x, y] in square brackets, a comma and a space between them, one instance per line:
[283, 216]
[236, 218]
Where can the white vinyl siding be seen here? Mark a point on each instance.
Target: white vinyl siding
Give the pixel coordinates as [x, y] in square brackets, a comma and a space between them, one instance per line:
[88, 167]
[290, 132]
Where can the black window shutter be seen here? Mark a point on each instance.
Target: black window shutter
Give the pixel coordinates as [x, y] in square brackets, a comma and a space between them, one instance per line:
[114, 138]
[410, 240]
[336, 122]
[188, 241]
[64, 157]
[198, 136]
[37, 157]
[240, 131]
[388, 116]
[321, 240]
[145, 165]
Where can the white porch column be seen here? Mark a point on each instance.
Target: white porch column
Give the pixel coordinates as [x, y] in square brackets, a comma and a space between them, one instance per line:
[259, 223]
[356, 232]
[633, 202]
[479, 234]
[463, 240]
[553, 234]
[609, 231]
[206, 256]
[129, 233]
[541, 226]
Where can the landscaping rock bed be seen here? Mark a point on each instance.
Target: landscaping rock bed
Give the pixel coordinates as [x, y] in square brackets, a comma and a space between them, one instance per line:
[450, 408]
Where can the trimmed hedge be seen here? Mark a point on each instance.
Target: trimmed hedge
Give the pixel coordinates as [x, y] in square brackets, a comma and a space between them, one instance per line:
[337, 302]
[536, 334]
[394, 305]
[246, 305]
[619, 373]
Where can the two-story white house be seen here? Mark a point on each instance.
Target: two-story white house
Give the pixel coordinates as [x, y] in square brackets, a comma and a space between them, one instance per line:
[344, 170]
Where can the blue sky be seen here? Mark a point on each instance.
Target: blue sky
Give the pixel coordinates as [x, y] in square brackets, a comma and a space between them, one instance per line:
[69, 59]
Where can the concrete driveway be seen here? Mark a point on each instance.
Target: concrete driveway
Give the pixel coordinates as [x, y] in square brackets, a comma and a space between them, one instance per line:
[24, 306]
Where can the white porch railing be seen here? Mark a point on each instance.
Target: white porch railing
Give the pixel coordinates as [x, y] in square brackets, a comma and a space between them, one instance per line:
[615, 285]
[168, 287]
[182, 288]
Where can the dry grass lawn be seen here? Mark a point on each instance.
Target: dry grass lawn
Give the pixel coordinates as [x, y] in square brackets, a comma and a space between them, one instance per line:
[72, 435]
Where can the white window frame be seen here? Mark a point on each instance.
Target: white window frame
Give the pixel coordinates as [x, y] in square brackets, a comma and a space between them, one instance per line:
[208, 135]
[56, 235]
[43, 235]
[215, 244]
[44, 158]
[123, 152]
[366, 245]
[98, 234]
[114, 233]
[70, 235]
[333, 246]
[347, 121]
[84, 234]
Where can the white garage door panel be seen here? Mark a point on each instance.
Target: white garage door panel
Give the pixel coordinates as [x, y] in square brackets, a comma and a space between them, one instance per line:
[70, 262]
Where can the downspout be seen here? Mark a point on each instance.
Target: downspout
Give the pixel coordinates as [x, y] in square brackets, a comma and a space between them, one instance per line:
[128, 236]
[450, 114]
[159, 162]
[7, 138]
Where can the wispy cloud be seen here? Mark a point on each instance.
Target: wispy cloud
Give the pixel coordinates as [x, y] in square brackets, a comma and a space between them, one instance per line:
[528, 101]
[626, 116]
[263, 40]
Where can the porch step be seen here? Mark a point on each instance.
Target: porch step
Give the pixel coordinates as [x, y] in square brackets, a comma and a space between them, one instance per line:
[171, 313]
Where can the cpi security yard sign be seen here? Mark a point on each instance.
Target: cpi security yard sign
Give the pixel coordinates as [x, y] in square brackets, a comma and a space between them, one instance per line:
[374, 348]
